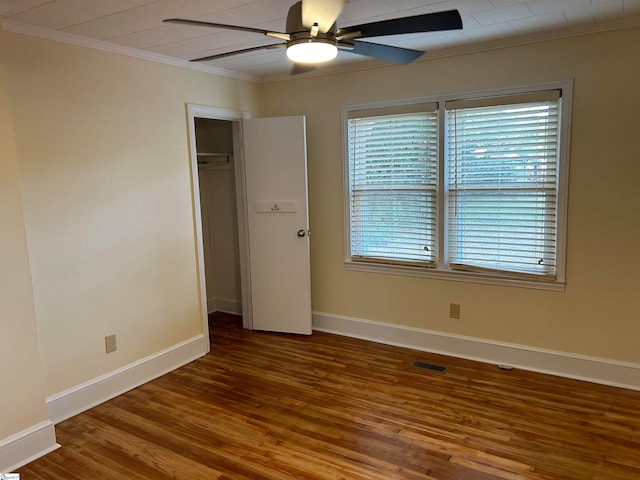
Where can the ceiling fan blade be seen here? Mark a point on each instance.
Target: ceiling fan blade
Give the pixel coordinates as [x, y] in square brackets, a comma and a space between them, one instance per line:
[237, 52]
[384, 52]
[429, 22]
[184, 21]
[322, 12]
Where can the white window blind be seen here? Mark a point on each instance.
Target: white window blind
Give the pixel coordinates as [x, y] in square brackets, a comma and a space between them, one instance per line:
[502, 184]
[393, 178]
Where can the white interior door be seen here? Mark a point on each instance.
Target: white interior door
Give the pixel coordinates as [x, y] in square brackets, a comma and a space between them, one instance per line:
[278, 224]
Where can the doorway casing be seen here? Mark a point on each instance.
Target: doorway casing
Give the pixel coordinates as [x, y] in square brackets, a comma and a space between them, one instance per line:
[235, 116]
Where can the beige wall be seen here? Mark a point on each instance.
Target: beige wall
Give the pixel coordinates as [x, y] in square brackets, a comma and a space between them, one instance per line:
[22, 402]
[220, 232]
[99, 142]
[598, 314]
[103, 147]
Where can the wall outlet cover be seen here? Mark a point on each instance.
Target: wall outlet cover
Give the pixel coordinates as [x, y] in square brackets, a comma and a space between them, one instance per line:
[110, 343]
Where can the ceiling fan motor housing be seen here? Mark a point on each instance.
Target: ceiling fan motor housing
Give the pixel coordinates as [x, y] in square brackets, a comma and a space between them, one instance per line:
[304, 38]
[295, 25]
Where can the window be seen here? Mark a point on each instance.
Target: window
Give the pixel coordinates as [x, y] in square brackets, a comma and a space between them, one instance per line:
[461, 187]
[394, 185]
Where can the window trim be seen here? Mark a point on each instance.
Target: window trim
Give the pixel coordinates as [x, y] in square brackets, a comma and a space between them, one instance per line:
[442, 272]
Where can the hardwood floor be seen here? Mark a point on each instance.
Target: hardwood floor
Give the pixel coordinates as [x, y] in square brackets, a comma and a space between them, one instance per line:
[266, 406]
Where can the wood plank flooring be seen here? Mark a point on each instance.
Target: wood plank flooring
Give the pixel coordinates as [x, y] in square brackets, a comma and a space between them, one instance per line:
[264, 406]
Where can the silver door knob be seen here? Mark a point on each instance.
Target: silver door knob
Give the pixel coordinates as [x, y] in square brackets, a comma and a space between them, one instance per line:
[301, 233]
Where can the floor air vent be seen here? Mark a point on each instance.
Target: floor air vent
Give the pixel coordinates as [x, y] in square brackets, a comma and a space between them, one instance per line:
[430, 366]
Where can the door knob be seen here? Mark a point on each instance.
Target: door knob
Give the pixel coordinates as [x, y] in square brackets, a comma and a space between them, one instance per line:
[301, 233]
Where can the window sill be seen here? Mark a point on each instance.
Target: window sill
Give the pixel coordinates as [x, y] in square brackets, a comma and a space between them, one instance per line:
[454, 276]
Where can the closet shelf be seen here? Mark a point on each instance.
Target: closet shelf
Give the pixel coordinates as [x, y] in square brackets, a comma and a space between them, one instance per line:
[210, 158]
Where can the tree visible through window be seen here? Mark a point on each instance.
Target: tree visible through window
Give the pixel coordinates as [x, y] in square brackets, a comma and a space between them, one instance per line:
[477, 190]
[394, 187]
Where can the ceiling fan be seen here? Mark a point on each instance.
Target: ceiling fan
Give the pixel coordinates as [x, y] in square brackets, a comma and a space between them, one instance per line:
[312, 35]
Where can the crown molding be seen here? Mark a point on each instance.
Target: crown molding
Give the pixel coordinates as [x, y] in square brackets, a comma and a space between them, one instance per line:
[69, 38]
[477, 47]
[535, 37]
[463, 49]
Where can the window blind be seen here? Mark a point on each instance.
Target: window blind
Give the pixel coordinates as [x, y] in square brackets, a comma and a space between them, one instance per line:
[393, 170]
[502, 177]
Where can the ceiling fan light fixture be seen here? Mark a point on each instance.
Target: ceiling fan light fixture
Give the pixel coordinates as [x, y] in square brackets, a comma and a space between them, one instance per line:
[312, 50]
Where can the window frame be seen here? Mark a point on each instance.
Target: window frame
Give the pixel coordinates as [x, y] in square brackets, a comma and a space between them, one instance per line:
[441, 270]
[361, 191]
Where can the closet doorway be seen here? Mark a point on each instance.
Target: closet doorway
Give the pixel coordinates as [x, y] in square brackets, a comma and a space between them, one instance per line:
[253, 254]
[216, 173]
[216, 177]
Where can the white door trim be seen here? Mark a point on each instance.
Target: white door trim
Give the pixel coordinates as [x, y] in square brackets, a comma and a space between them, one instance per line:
[235, 116]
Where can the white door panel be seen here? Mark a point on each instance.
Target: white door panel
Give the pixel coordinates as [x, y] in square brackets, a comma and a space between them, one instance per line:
[276, 194]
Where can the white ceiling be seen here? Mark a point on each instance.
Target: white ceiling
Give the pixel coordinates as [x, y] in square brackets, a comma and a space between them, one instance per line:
[137, 24]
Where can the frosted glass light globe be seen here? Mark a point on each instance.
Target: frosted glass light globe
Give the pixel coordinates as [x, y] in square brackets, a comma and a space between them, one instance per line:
[312, 51]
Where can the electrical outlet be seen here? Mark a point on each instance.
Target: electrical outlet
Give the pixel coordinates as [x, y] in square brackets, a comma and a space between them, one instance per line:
[454, 310]
[110, 343]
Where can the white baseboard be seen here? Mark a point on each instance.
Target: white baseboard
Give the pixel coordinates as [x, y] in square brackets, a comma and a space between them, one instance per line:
[211, 305]
[226, 305]
[77, 399]
[579, 367]
[24, 447]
